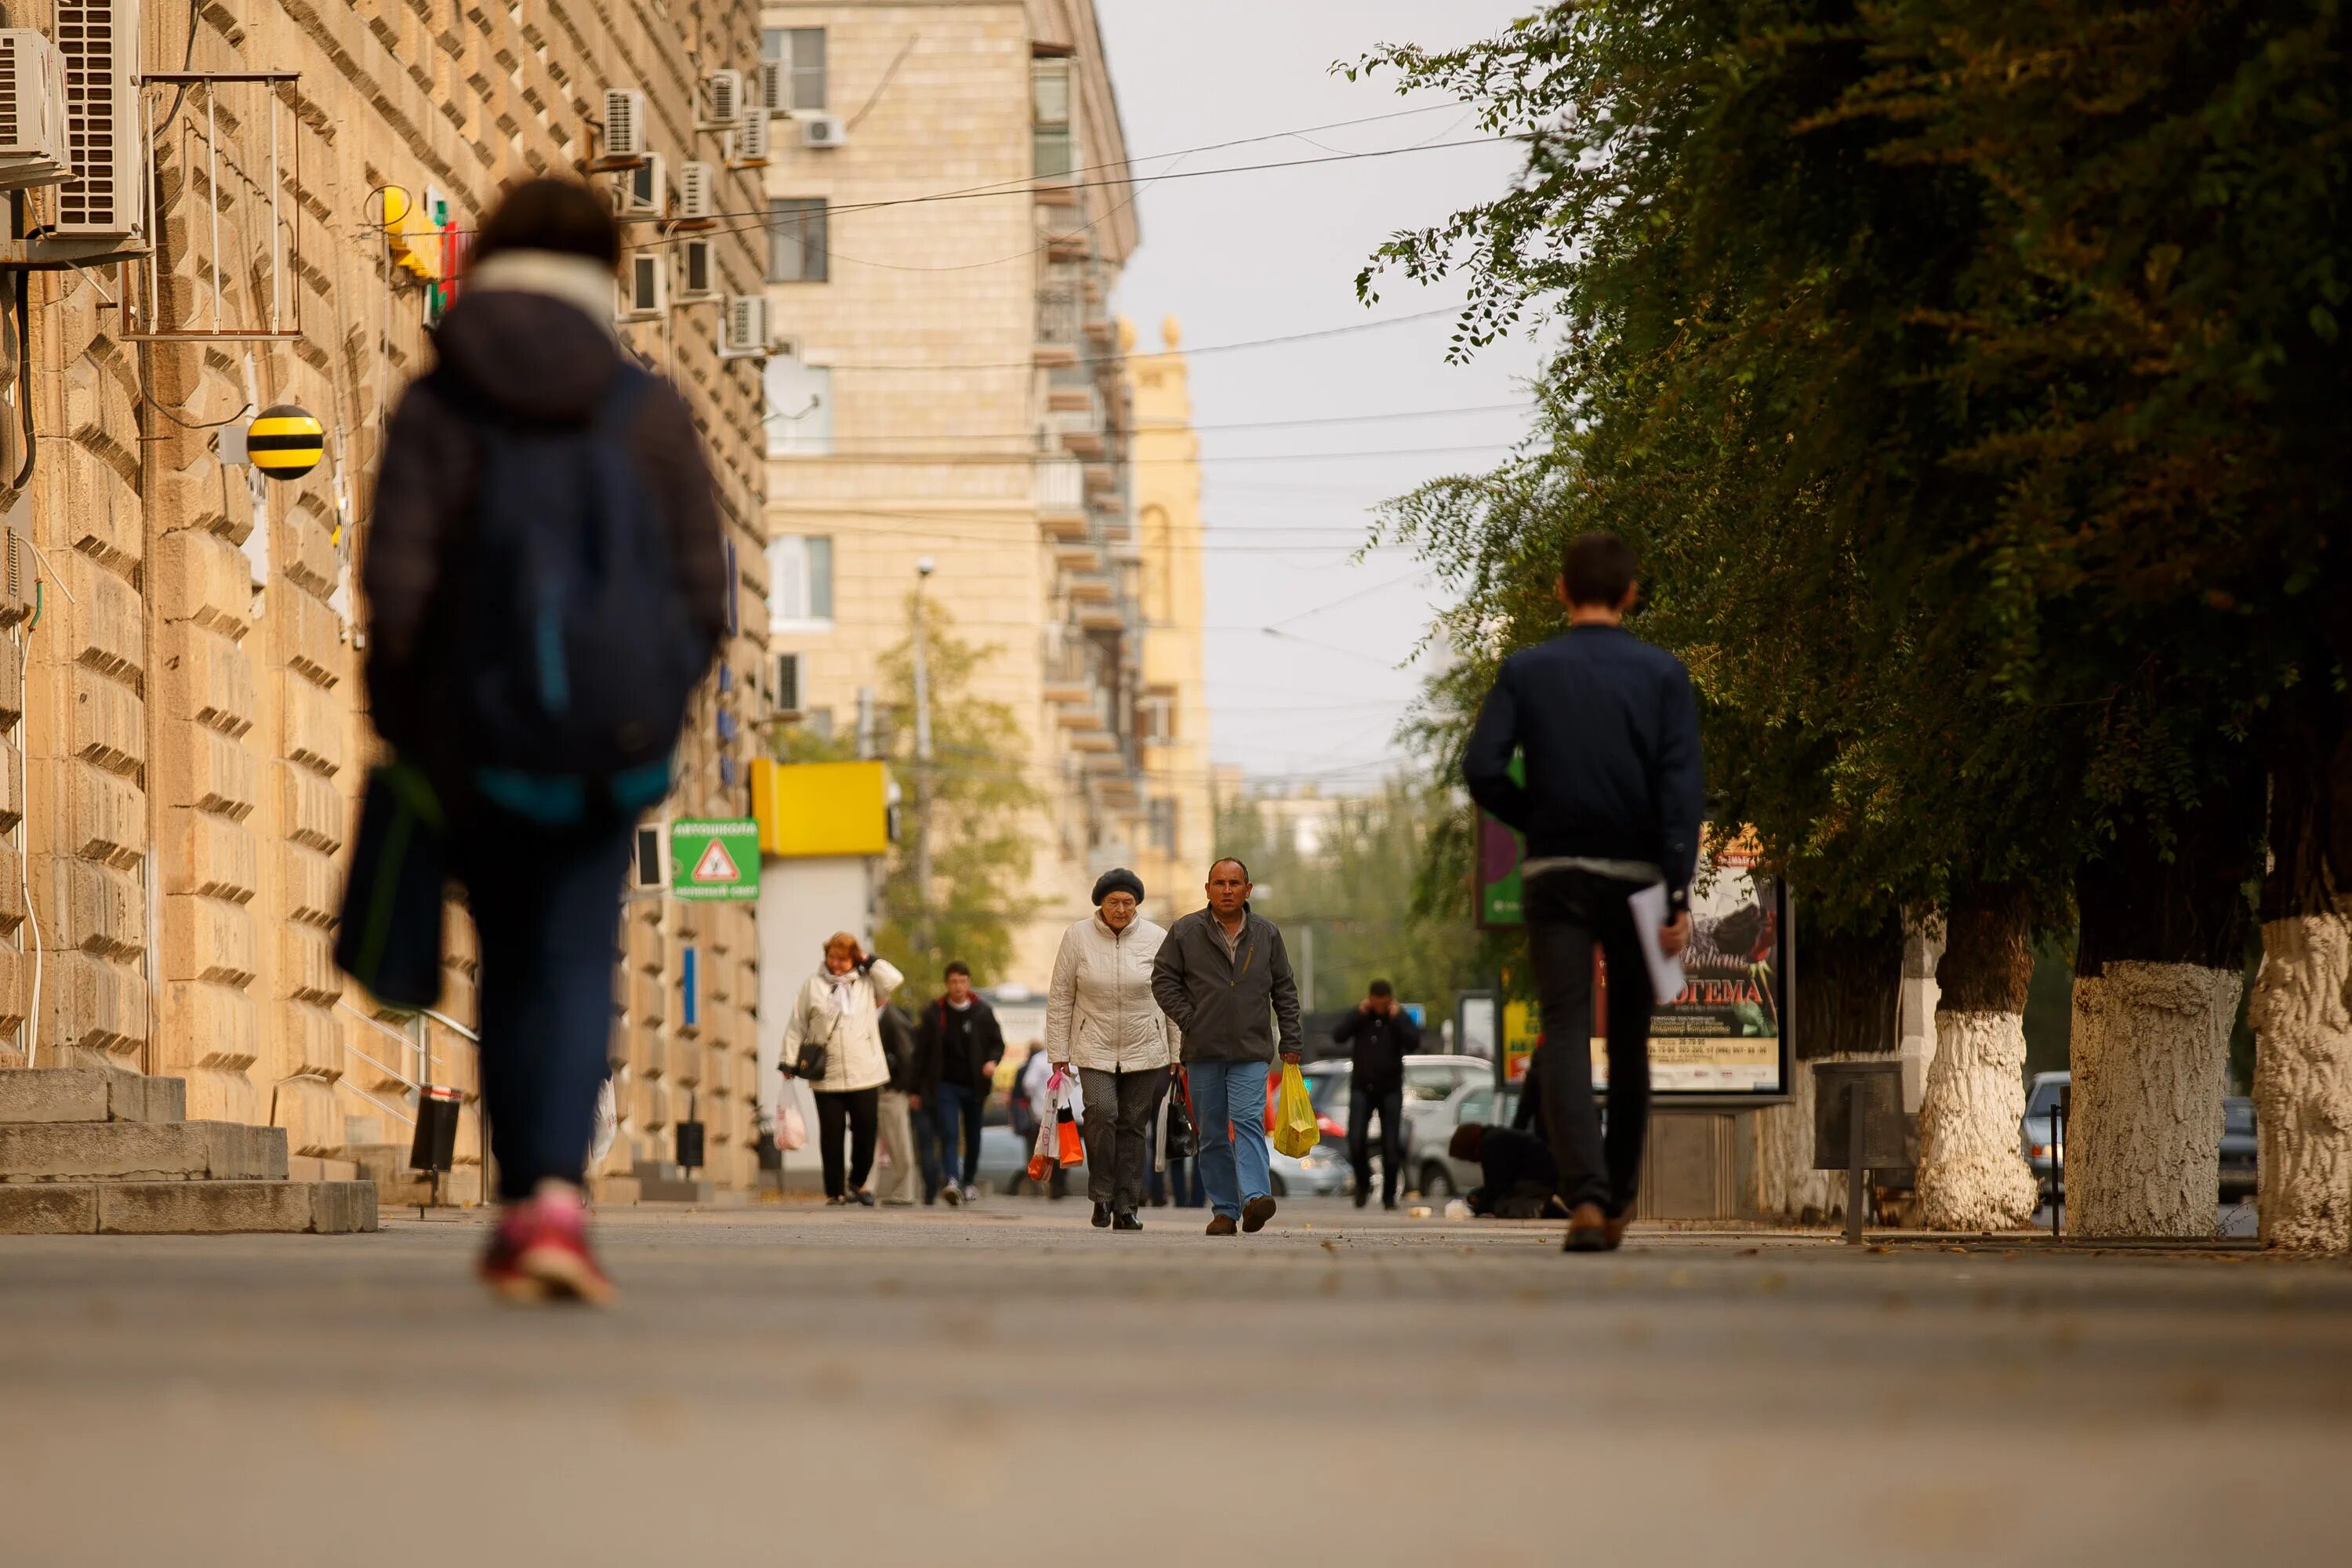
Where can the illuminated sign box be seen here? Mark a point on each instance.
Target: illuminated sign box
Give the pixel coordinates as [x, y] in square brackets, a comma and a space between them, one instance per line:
[809, 809]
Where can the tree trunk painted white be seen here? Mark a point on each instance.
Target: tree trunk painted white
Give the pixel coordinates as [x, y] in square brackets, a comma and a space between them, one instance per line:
[1972, 1175]
[2151, 1059]
[2303, 1082]
[1782, 1183]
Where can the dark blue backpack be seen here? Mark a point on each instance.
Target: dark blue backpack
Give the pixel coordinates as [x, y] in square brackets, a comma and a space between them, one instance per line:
[575, 652]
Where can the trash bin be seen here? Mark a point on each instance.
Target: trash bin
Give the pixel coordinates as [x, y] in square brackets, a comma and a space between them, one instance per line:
[689, 1146]
[435, 1146]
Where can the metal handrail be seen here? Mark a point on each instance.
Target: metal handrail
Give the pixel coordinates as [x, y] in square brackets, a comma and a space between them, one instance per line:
[447, 1022]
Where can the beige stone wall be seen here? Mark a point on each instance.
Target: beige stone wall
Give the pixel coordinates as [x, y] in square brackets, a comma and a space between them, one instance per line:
[928, 322]
[193, 716]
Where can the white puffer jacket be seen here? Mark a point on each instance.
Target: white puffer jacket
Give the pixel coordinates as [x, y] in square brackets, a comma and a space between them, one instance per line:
[1099, 1013]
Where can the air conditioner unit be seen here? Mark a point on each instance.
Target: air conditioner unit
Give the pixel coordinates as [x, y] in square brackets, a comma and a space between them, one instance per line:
[782, 347]
[697, 193]
[626, 133]
[698, 271]
[641, 192]
[751, 139]
[645, 287]
[34, 148]
[776, 86]
[99, 41]
[722, 99]
[822, 131]
[746, 335]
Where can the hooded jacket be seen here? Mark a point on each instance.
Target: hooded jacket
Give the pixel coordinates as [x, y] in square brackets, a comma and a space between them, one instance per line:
[1099, 1011]
[532, 359]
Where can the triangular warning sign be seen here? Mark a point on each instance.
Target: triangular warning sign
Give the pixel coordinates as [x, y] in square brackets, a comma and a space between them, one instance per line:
[715, 865]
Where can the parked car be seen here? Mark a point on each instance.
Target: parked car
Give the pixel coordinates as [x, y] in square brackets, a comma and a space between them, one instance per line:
[1430, 1081]
[1440, 1174]
[2046, 1151]
[2238, 1149]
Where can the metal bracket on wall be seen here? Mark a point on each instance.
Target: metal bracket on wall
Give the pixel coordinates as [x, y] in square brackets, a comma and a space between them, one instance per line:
[150, 313]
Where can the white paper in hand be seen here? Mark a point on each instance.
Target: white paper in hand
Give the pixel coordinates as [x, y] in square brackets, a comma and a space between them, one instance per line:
[1649, 907]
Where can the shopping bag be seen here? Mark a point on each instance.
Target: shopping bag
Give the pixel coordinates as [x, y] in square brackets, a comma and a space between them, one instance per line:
[388, 935]
[1068, 1147]
[1294, 1131]
[1182, 1142]
[1042, 1156]
[792, 1126]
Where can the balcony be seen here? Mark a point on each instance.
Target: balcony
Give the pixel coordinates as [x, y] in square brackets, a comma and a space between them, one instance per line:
[1061, 499]
[1074, 413]
[1059, 317]
[1091, 587]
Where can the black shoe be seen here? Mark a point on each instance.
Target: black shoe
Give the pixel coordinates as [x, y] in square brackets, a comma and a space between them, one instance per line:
[1256, 1212]
[863, 1197]
[1102, 1217]
[1127, 1221]
[1363, 1197]
[1588, 1229]
[1388, 1204]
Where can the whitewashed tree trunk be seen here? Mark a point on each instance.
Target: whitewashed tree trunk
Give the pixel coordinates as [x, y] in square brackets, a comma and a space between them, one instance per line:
[1782, 1183]
[1972, 1175]
[2303, 1082]
[2151, 1060]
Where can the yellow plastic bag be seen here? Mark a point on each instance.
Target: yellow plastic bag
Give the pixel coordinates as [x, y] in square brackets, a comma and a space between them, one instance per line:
[1294, 1131]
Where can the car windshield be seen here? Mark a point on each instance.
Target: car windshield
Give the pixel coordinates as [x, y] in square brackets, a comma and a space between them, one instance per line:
[1428, 1082]
[2045, 1099]
[1327, 1091]
[1474, 1106]
[2238, 1116]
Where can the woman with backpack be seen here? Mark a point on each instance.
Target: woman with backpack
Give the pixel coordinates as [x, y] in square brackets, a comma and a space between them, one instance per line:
[833, 1037]
[546, 585]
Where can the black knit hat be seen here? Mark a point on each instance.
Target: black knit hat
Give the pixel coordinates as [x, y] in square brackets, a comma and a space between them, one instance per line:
[1121, 881]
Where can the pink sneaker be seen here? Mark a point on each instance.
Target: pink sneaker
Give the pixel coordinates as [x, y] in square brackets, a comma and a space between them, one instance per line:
[540, 1251]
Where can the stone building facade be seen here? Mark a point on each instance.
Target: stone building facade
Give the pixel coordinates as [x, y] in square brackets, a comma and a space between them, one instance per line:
[190, 727]
[955, 392]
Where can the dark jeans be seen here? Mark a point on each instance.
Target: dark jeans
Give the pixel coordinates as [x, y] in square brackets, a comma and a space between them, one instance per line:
[1568, 914]
[954, 1103]
[547, 913]
[1361, 1104]
[1118, 1132]
[857, 1108]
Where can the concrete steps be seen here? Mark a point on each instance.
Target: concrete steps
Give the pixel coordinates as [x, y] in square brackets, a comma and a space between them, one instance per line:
[87, 1151]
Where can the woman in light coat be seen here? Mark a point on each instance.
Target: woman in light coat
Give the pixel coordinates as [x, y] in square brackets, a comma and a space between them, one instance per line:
[835, 1009]
[1100, 1019]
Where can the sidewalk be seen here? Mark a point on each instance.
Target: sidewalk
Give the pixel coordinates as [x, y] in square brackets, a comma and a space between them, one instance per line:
[918, 1385]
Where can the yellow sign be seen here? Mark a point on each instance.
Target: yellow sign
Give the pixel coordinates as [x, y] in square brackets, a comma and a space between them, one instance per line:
[285, 442]
[808, 809]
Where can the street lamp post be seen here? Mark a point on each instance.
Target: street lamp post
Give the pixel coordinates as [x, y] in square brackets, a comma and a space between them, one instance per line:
[922, 766]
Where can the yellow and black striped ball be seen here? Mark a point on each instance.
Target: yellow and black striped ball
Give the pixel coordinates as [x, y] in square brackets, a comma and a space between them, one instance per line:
[285, 442]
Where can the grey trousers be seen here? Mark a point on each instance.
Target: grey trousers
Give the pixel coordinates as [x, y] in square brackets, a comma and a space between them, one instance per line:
[902, 1182]
[1118, 1132]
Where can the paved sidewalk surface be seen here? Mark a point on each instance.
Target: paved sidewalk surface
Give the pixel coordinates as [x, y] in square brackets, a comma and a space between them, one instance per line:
[1007, 1385]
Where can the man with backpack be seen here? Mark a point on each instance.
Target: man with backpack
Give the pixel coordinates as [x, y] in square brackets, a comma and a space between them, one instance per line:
[546, 585]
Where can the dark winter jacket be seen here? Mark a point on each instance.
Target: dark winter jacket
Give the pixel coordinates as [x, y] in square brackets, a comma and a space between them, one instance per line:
[900, 1053]
[973, 1036]
[1378, 1047]
[1236, 1009]
[1609, 732]
[532, 361]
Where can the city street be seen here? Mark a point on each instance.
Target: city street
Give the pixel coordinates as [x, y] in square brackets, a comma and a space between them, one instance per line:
[1006, 1385]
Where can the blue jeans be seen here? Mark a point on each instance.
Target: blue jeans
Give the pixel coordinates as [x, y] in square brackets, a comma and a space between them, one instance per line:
[953, 1104]
[1229, 1103]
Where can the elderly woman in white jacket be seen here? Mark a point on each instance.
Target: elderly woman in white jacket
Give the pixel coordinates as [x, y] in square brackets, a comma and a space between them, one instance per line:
[1100, 1019]
[836, 1010]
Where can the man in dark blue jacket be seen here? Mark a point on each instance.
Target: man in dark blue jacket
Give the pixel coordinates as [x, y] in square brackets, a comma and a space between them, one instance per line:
[1609, 799]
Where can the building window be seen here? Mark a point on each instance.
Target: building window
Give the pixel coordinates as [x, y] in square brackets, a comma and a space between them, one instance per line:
[800, 581]
[788, 683]
[802, 51]
[796, 242]
[800, 408]
[1052, 139]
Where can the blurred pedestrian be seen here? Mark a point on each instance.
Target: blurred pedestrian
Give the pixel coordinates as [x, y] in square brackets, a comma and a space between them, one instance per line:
[546, 583]
[960, 1043]
[1380, 1035]
[1224, 978]
[837, 1012]
[1606, 729]
[1517, 1178]
[895, 1123]
[1101, 1020]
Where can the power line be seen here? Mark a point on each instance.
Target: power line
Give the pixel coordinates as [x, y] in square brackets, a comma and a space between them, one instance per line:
[1196, 429]
[1007, 459]
[1031, 362]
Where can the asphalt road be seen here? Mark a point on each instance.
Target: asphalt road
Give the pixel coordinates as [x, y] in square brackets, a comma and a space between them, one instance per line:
[1008, 1385]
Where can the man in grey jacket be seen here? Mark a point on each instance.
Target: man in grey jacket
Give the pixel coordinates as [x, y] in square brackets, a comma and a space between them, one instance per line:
[1223, 979]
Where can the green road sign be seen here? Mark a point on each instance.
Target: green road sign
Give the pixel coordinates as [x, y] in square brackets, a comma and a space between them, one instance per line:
[714, 858]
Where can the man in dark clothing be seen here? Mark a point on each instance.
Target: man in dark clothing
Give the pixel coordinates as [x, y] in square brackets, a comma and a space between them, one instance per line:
[957, 1049]
[528, 349]
[1607, 730]
[1223, 976]
[1517, 1178]
[1380, 1035]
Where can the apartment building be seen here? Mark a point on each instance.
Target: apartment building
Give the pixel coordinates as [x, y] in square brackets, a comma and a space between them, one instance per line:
[189, 729]
[946, 224]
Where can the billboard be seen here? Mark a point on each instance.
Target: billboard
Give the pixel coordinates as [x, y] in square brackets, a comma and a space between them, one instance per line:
[1726, 1036]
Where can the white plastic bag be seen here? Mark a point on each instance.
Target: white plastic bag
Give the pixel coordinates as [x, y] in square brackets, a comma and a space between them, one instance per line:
[791, 1128]
[607, 1127]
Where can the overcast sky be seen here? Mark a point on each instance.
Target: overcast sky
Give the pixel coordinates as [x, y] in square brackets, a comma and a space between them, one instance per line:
[1249, 256]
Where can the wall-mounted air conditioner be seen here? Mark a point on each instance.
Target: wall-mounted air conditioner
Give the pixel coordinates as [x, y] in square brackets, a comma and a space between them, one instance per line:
[751, 138]
[723, 100]
[746, 332]
[822, 131]
[99, 40]
[645, 287]
[642, 190]
[782, 347]
[697, 193]
[627, 134]
[776, 86]
[697, 272]
[34, 148]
